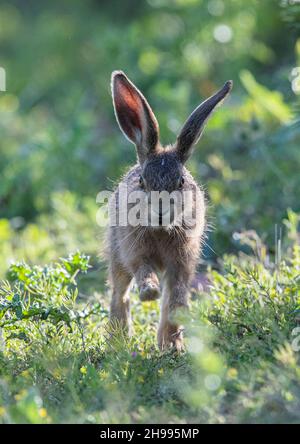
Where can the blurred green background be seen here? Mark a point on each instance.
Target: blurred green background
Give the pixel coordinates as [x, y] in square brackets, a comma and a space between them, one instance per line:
[60, 144]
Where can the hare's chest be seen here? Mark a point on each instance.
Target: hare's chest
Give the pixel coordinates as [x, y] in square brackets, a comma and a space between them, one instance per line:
[160, 247]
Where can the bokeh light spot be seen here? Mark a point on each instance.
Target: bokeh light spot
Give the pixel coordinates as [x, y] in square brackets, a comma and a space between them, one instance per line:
[216, 7]
[212, 382]
[223, 33]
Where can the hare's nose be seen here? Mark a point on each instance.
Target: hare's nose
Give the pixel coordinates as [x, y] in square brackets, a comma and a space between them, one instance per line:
[159, 208]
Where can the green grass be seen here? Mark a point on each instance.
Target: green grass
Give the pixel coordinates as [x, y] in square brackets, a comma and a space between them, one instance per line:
[61, 363]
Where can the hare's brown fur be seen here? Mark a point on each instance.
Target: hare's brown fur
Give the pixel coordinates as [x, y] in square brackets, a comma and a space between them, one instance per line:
[144, 252]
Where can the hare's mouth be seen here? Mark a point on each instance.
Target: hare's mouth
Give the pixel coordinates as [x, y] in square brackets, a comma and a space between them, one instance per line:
[161, 217]
[159, 213]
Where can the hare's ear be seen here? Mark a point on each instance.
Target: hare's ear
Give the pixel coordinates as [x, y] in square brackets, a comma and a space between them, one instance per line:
[134, 115]
[193, 127]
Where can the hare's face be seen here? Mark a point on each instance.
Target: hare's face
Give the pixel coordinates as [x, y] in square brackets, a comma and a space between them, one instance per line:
[162, 172]
[162, 180]
[162, 168]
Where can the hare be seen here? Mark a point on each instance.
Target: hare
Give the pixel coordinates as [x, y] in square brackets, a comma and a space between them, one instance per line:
[142, 251]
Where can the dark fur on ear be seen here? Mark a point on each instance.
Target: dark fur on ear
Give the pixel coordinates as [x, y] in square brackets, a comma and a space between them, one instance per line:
[193, 127]
[134, 115]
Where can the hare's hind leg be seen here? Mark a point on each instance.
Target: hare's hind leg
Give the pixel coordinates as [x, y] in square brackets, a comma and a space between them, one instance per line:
[120, 302]
[170, 333]
[147, 282]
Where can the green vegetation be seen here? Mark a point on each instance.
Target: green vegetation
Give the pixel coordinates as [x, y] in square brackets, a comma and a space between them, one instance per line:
[60, 146]
[61, 363]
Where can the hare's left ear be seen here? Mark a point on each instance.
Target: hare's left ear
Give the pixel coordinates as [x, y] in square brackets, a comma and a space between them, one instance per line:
[134, 115]
[193, 127]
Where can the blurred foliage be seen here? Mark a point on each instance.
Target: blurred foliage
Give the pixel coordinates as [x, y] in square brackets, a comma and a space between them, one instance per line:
[57, 125]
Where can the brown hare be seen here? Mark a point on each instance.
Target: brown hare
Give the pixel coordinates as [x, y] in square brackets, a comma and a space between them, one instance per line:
[145, 250]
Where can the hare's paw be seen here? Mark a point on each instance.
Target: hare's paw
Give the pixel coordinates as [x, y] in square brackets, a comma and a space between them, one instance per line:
[149, 292]
[170, 337]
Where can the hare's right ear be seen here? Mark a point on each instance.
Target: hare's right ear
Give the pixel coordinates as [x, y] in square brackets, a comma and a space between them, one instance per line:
[134, 115]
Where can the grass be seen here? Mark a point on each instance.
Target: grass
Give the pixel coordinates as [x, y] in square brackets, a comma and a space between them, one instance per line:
[60, 363]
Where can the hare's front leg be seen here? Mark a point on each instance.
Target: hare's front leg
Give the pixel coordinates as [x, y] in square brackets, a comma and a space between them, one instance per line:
[175, 297]
[120, 302]
[147, 282]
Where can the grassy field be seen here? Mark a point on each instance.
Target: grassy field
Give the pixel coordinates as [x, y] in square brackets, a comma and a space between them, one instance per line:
[60, 362]
[60, 146]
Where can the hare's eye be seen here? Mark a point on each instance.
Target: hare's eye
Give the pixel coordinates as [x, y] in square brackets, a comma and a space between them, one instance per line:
[141, 182]
[181, 182]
